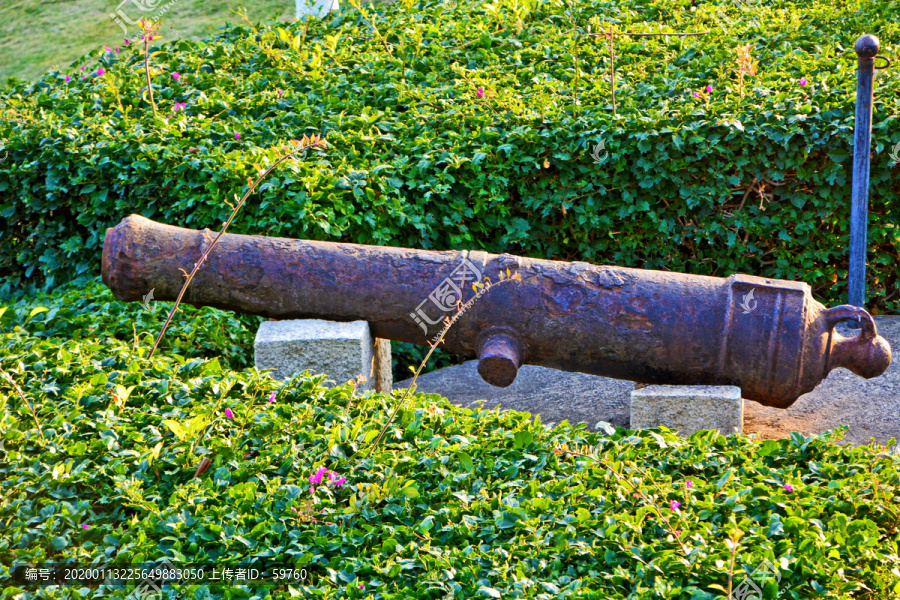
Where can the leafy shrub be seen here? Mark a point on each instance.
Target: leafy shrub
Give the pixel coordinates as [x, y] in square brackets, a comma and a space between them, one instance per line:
[454, 503]
[417, 158]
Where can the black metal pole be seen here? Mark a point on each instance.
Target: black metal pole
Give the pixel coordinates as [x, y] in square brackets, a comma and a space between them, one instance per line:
[866, 49]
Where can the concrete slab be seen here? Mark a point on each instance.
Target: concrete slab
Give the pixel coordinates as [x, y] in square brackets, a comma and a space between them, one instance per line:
[869, 407]
[343, 351]
[688, 409]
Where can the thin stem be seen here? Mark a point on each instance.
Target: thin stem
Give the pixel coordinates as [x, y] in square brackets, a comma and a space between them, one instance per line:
[449, 323]
[16, 387]
[734, 548]
[637, 491]
[147, 71]
[190, 278]
[355, 4]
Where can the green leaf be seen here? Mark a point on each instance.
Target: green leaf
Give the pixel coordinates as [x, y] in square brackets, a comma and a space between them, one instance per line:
[724, 479]
[176, 428]
[466, 461]
[36, 311]
[523, 439]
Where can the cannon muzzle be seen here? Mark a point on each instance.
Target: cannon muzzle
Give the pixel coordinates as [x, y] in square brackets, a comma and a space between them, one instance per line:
[768, 337]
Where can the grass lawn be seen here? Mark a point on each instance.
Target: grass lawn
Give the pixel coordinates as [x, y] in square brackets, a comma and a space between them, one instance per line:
[39, 35]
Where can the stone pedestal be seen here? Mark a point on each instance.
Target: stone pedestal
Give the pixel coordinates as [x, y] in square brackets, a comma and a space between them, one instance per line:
[688, 408]
[342, 351]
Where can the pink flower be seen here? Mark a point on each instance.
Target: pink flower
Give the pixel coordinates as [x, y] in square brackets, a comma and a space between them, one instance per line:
[117, 50]
[803, 81]
[83, 68]
[362, 586]
[85, 526]
[293, 509]
[228, 413]
[84, 76]
[107, 49]
[127, 41]
[100, 71]
[480, 92]
[317, 478]
[674, 505]
[708, 89]
[272, 398]
[340, 481]
[280, 94]
[696, 94]
[688, 484]
[311, 490]
[237, 136]
[788, 488]
[176, 76]
[677, 532]
[68, 79]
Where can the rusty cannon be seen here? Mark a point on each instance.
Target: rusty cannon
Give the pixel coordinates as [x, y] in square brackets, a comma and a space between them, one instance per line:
[769, 337]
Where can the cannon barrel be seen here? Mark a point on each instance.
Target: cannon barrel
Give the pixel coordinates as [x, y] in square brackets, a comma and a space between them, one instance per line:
[769, 337]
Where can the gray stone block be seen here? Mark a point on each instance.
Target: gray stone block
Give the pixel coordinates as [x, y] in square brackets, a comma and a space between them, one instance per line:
[688, 408]
[342, 351]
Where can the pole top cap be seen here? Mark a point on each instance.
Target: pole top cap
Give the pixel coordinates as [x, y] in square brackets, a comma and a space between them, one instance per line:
[867, 46]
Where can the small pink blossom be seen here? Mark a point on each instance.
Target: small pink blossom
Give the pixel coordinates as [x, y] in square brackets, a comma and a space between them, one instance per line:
[228, 413]
[180, 106]
[803, 81]
[480, 92]
[311, 490]
[68, 79]
[293, 509]
[280, 94]
[696, 94]
[362, 586]
[237, 136]
[176, 76]
[272, 398]
[85, 526]
[340, 481]
[117, 50]
[83, 68]
[788, 488]
[108, 49]
[709, 89]
[677, 532]
[127, 41]
[674, 505]
[688, 484]
[317, 478]
[100, 71]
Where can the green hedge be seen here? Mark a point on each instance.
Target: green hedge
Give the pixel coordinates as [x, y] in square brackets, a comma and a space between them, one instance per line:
[454, 503]
[418, 159]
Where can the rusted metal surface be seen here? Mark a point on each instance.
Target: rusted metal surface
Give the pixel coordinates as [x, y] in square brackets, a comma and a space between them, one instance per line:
[766, 336]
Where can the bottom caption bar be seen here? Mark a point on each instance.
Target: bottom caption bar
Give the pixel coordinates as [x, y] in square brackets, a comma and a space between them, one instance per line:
[157, 574]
